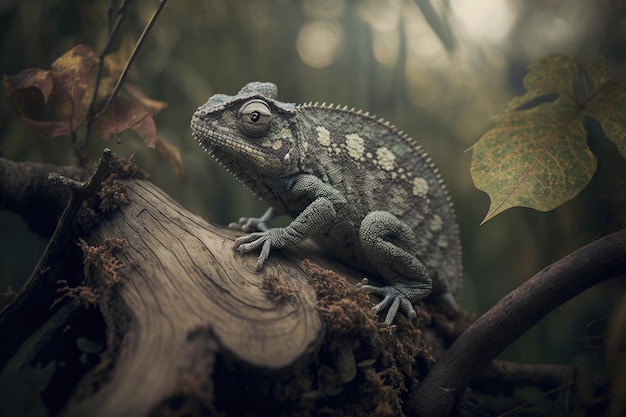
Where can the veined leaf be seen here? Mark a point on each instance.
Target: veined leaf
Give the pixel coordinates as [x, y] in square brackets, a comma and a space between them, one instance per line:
[536, 155]
[608, 105]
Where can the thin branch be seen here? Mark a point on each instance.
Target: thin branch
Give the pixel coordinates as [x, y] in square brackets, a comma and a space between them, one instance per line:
[513, 316]
[131, 59]
[121, 14]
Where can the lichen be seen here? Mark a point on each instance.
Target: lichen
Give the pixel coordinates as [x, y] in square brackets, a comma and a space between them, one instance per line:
[112, 194]
[276, 291]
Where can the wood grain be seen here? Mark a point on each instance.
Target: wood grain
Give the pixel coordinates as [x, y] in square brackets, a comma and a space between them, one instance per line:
[182, 278]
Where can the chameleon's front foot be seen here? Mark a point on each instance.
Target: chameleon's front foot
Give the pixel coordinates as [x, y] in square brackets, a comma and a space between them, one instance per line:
[395, 297]
[264, 240]
[312, 218]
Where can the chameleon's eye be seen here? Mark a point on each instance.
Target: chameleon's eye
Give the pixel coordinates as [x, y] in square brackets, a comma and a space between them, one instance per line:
[255, 117]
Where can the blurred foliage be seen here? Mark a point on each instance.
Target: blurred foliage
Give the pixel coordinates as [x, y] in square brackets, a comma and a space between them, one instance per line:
[379, 55]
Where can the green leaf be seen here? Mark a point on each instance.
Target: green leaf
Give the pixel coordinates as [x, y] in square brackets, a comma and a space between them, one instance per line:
[608, 105]
[536, 155]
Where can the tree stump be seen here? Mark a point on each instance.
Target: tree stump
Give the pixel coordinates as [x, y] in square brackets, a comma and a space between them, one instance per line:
[186, 292]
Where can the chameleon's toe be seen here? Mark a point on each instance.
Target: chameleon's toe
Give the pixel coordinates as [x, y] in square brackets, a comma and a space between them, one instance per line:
[253, 241]
[248, 243]
[393, 300]
[250, 224]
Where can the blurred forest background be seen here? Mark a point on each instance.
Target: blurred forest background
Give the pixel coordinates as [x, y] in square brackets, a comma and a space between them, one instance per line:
[382, 56]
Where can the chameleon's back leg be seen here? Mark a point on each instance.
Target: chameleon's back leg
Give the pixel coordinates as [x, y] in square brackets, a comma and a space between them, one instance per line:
[390, 245]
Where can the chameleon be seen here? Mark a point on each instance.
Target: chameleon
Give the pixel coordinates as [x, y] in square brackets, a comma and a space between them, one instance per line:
[363, 190]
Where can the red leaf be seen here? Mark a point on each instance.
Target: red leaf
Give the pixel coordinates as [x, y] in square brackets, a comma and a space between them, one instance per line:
[172, 154]
[71, 73]
[153, 106]
[49, 129]
[28, 91]
[146, 129]
[122, 115]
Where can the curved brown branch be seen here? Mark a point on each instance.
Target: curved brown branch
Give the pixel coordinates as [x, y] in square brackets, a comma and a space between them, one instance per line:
[514, 315]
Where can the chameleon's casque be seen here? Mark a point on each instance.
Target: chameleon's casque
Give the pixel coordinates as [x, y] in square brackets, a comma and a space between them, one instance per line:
[364, 191]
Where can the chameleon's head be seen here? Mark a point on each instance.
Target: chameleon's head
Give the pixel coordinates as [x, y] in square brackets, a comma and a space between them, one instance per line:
[250, 133]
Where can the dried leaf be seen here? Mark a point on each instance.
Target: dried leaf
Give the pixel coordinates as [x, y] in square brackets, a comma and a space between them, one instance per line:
[146, 129]
[537, 155]
[70, 73]
[172, 155]
[116, 61]
[49, 129]
[153, 106]
[122, 115]
[28, 91]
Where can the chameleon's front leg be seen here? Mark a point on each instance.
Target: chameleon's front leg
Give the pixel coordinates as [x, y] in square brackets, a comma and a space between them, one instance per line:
[323, 209]
[312, 218]
[390, 246]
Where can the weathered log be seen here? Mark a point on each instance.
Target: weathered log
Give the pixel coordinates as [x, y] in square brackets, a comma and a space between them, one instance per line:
[182, 280]
[189, 322]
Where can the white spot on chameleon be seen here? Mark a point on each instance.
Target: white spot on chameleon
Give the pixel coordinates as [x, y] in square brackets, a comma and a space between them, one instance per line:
[385, 158]
[368, 155]
[442, 242]
[436, 223]
[399, 202]
[323, 136]
[354, 145]
[274, 144]
[420, 187]
[285, 134]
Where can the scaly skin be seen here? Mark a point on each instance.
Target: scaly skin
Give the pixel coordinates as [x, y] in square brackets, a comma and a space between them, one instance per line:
[364, 191]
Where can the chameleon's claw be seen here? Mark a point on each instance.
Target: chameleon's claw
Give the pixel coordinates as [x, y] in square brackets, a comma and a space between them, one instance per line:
[265, 253]
[393, 300]
[250, 242]
[253, 241]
